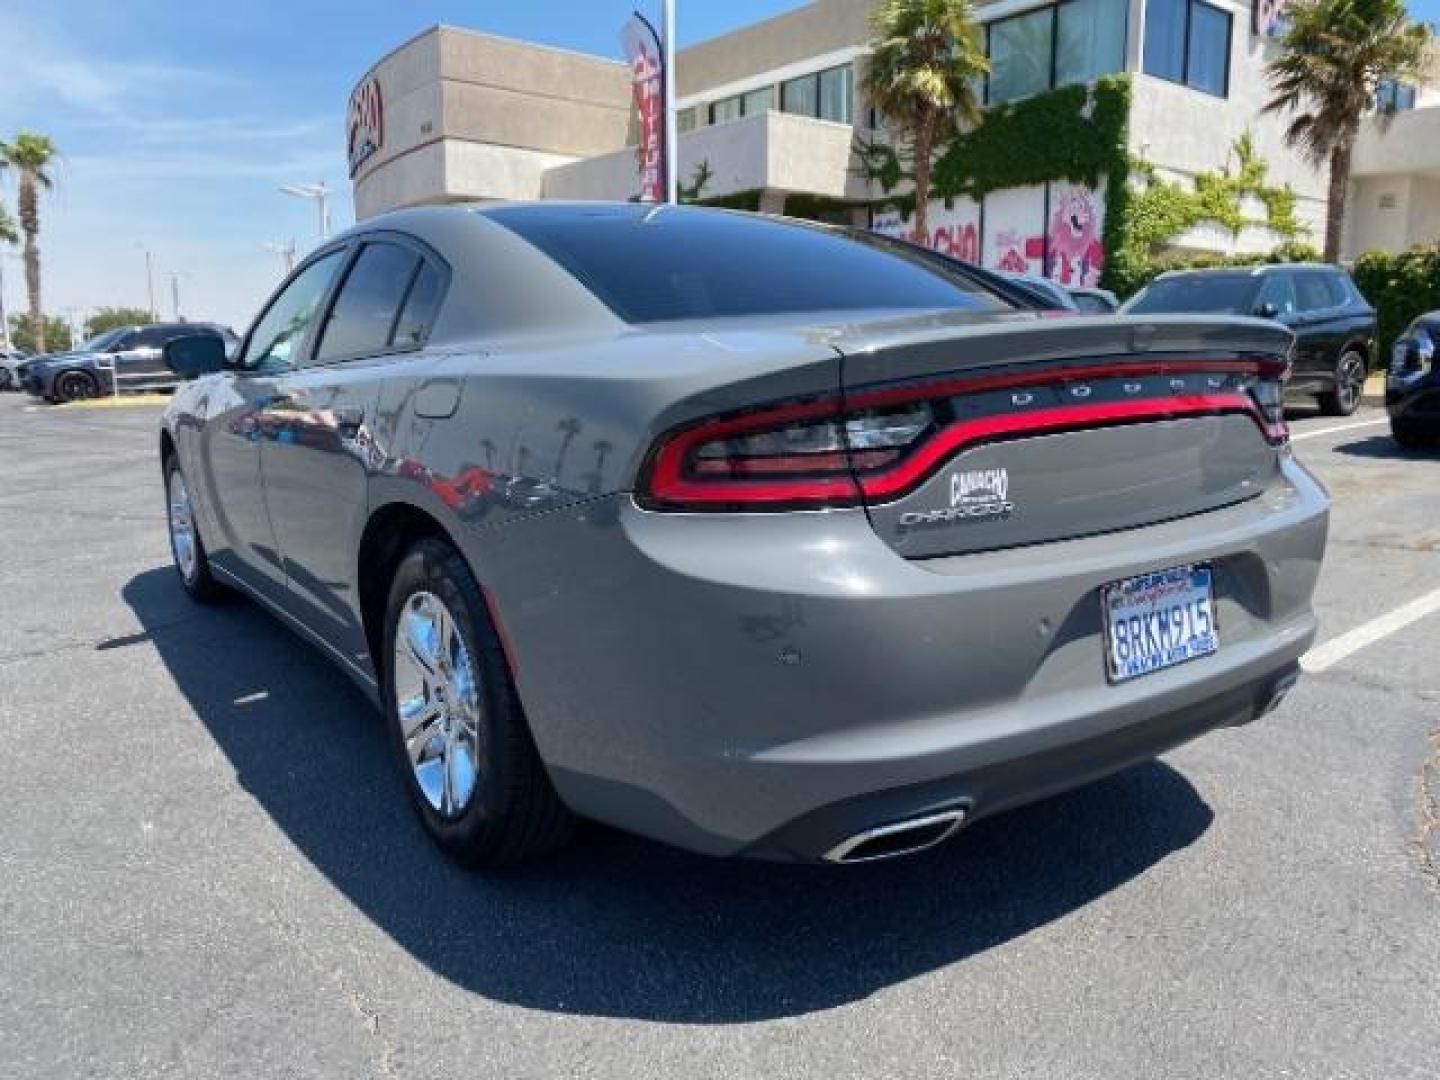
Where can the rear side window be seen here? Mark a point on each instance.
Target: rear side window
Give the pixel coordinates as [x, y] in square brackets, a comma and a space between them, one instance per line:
[1279, 289]
[1313, 292]
[369, 301]
[418, 314]
[661, 264]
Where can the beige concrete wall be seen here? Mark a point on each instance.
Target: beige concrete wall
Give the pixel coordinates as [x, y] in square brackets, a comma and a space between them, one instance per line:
[505, 110]
[1392, 213]
[410, 96]
[1411, 143]
[516, 94]
[773, 152]
[796, 36]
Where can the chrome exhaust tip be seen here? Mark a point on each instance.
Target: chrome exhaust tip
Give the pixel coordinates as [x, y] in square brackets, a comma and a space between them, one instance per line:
[898, 838]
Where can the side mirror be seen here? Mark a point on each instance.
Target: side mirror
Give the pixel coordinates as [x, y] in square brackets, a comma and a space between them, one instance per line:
[194, 355]
[1267, 310]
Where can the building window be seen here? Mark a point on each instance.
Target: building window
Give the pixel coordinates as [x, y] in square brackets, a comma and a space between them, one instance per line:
[733, 108]
[685, 120]
[825, 95]
[1392, 96]
[1021, 54]
[1074, 42]
[727, 109]
[1089, 40]
[757, 101]
[1188, 41]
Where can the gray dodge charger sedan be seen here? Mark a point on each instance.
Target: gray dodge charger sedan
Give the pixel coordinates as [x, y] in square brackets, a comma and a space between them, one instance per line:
[757, 537]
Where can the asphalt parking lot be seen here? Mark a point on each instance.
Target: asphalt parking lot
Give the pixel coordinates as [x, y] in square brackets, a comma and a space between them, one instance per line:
[207, 867]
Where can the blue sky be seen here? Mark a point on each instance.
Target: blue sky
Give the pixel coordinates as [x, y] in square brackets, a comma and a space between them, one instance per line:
[178, 120]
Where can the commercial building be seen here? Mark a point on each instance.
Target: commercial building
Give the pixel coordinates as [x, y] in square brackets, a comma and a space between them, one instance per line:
[770, 114]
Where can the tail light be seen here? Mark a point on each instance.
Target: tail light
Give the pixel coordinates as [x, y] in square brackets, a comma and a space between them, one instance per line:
[877, 445]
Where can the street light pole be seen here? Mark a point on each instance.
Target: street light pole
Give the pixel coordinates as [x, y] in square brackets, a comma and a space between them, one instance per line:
[321, 194]
[4, 316]
[150, 279]
[175, 294]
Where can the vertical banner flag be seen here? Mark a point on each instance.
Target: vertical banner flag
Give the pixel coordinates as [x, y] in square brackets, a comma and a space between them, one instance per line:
[647, 84]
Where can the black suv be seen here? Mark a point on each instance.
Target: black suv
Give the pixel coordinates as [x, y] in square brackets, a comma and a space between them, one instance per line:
[130, 353]
[1412, 392]
[1334, 326]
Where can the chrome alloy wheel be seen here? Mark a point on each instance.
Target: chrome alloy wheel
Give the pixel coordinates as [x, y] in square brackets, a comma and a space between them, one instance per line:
[437, 700]
[182, 526]
[1350, 381]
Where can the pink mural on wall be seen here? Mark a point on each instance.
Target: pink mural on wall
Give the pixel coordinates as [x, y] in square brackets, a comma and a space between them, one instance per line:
[1076, 254]
[1015, 230]
[954, 229]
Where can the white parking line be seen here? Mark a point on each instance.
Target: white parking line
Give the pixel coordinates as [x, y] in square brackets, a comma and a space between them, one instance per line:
[1337, 649]
[1339, 427]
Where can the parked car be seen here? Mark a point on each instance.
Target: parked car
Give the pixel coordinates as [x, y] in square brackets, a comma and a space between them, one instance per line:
[1412, 388]
[1334, 326]
[1056, 295]
[10, 361]
[131, 352]
[753, 536]
[1094, 301]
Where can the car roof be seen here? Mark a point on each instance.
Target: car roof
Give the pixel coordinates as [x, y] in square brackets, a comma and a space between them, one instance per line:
[1258, 270]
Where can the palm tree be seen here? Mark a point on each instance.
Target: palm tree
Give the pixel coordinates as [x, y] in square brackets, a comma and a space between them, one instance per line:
[1333, 58]
[30, 155]
[8, 236]
[926, 57]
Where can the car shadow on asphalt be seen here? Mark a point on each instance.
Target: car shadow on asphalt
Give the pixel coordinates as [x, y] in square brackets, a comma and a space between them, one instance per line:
[1385, 448]
[618, 926]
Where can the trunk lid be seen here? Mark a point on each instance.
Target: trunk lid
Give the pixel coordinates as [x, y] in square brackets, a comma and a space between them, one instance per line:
[1048, 429]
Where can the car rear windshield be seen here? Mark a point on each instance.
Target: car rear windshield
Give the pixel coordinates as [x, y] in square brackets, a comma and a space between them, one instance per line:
[1221, 293]
[659, 264]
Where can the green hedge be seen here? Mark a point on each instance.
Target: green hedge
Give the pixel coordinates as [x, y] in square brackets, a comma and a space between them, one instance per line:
[1401, 285]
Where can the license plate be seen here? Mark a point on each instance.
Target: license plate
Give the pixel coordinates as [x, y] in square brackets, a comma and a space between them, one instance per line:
[1158, 620]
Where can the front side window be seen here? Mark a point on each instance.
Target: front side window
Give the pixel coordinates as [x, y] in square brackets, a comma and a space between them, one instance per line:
[1020, 54]
[364, 312]
[276, 340]
[1188, 41]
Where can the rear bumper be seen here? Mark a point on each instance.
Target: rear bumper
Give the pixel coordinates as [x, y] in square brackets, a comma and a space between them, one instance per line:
[1414, 400]
[761, 684]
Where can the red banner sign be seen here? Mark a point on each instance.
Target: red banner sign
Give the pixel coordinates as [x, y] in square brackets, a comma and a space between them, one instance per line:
[647, 84]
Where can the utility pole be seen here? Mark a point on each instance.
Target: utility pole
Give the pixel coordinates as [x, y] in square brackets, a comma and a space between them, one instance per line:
[175, 294]
[672, 148]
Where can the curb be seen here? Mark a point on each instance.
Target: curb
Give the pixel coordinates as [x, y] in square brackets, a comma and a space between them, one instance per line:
[115, 402]
[1374, 391]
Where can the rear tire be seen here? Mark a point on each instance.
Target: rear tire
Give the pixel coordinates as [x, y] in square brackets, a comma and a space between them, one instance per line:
[76, 386]
[1350, 375]
[186, 548]
[456, 726]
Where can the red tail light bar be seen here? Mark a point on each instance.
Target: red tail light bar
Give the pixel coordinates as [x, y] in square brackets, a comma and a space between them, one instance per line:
[877, 445]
